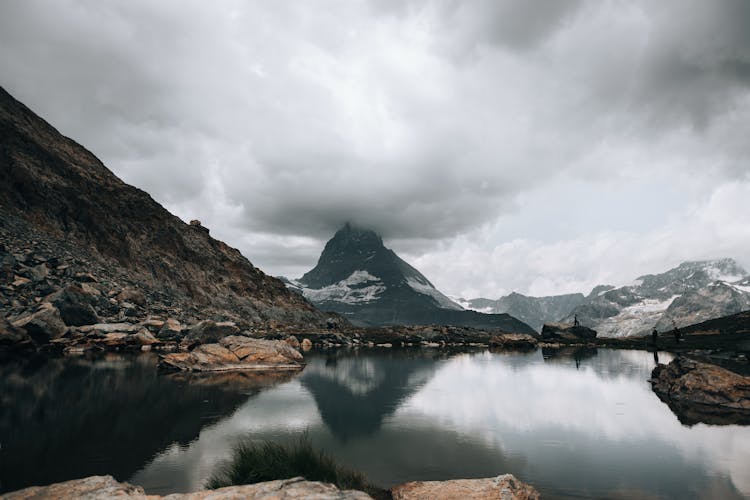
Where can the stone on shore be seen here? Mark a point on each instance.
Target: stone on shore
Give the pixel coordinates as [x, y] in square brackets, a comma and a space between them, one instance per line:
[520, 341]
[505, 487]
[74, 304]
[567, 331]
[236, 352]
[105, 487]
[43, 325]
[13, 336]
[207, 331]
[703, 392]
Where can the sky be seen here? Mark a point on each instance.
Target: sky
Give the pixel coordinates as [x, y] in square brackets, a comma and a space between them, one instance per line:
[497, 145]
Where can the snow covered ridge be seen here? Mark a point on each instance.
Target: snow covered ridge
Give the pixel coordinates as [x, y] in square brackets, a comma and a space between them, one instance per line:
[359, 287]
[425, 288]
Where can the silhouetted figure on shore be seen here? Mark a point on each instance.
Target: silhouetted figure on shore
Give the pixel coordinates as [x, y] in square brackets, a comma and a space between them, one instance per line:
[654, 336]
[676, 333]
[575, 321]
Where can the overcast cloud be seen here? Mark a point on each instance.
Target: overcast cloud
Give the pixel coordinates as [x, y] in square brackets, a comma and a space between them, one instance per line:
[543, 147]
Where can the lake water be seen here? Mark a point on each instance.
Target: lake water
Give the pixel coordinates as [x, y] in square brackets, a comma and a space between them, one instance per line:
[575, 424]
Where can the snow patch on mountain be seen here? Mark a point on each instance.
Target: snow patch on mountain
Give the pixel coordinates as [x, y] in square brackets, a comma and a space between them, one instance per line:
[633, 319]
[359, 287]
[425, 288]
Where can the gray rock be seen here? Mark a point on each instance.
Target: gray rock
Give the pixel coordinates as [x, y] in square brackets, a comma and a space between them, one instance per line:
[11, 335]
[567, 331]
[208, 331]
[74, 305]
[43, 325]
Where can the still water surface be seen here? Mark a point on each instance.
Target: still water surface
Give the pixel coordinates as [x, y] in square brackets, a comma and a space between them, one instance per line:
[575, 424]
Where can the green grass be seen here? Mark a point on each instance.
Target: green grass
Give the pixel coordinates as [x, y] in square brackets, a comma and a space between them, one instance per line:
[268, 461]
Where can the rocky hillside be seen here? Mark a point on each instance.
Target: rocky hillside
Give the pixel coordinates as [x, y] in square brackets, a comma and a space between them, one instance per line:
[358, 277]
[66, 219]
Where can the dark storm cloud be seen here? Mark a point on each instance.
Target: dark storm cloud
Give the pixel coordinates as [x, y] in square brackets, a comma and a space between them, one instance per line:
[424, 120]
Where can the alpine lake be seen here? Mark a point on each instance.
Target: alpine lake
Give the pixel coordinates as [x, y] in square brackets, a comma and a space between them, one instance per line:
[575, 423]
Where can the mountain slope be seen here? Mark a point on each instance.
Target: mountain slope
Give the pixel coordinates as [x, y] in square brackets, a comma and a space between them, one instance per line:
[534, 311]
[358, 277]
[57, 195]
[689, 293]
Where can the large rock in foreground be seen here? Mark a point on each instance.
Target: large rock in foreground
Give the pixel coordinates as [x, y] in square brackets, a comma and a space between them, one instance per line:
[236, 352]
[505, 487]
[105, 487]
[567, 331]
[702, 392]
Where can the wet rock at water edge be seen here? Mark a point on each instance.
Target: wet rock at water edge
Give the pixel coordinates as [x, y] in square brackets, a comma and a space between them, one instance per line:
[236, 352]
[567, 331]
[513, 341]
[702, 392]
[43, 325]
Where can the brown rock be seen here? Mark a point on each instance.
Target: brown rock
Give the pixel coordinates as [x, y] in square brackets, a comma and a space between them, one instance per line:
[116, 339]
[74, 305]
[306, 344]
[90, 488]
[520, 341]
[43, 325]
[133, 296]
[105, 487]
[144, 337]
[505, 487]
[236, 352]
[702, 392]
[293, 342]
[19, 281]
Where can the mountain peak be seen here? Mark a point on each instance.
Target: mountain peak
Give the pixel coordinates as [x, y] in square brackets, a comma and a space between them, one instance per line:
[353, 236]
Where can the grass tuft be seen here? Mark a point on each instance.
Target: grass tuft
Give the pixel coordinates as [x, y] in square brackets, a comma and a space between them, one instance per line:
[269, 461]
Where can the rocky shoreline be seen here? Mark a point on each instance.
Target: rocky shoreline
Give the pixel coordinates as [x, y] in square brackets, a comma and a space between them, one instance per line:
[505, 486]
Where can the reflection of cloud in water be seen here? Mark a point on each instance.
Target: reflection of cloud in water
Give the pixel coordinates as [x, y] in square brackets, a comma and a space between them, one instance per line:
[274, 413]
[358, 375]
[484, 395]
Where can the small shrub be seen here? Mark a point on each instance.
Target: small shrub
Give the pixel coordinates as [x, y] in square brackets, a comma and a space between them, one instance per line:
[268, 461]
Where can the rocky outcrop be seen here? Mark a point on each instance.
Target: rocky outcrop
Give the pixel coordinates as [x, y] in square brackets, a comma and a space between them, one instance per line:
[567, 331]
[703, 392]
[513, 341]
[105, 487]
[505, 487]
[43, 325]
[236, 352]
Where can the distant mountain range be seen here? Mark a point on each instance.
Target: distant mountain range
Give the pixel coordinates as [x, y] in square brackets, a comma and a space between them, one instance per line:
[689, 293]
[359, 278]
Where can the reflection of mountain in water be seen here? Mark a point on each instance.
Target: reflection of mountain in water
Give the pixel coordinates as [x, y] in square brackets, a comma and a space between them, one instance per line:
[69, 418]
[355, 393]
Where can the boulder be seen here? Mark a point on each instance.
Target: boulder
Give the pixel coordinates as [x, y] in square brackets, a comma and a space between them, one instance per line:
[105, 487]
[43, 325]
[74, 305]
[104, 328]
[505, 487]
[133, 296]
[170, 330]
[306, 344]
[519, 341]
[567, 331]
[207, 331]
[37, 273]
[145, 337]
[236, 352]
[702, 392]
[13, 336]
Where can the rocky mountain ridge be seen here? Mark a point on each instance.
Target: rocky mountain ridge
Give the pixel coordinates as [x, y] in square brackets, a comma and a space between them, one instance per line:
[358, 277]
[692, 292]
